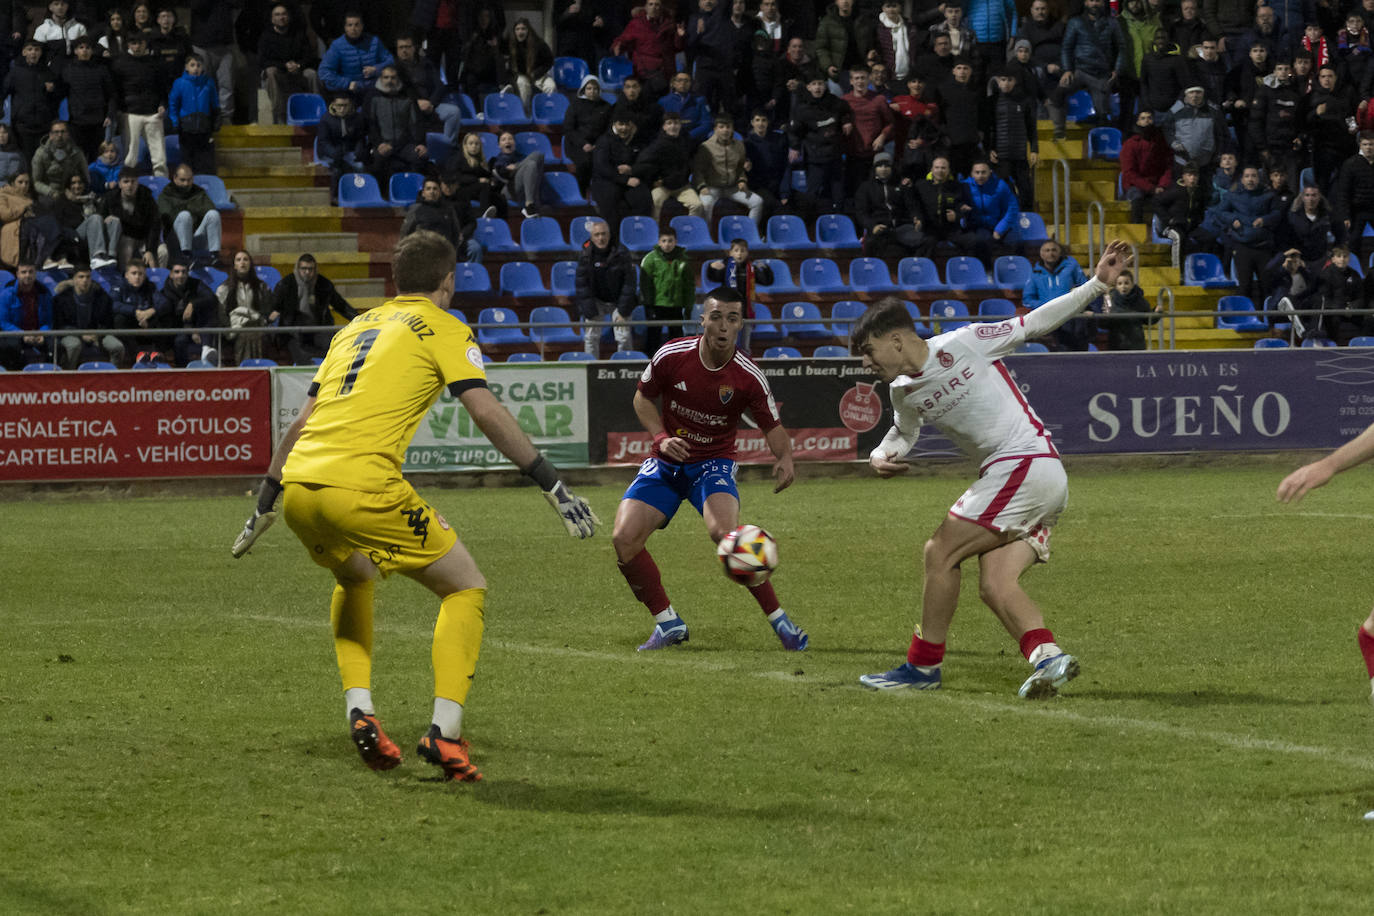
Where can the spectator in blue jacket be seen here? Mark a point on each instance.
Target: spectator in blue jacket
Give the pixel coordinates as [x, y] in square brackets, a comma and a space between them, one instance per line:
[1054, 275]
[193, 107]
[696, 114]
[994, 213]
[993, 23]
[1092, 54]
[354, 59]
[25, 306]
[1248, 215]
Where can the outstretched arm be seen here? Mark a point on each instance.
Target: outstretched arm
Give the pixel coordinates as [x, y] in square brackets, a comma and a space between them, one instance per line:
[1310, 476]
[1116, 258]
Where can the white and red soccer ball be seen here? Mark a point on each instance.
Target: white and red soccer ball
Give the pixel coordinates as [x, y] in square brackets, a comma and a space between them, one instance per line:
[749, 555]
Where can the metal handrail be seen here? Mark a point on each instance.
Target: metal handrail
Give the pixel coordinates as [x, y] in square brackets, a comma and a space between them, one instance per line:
[1165, 292]
[1062, 222]
[1097, 230]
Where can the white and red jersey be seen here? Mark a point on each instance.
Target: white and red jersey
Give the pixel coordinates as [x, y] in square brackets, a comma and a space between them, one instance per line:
[702, 405]
[964, 389]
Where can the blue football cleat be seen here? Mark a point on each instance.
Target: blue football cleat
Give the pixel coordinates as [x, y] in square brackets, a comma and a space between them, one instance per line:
[666, 634]
[1048, 677]
[905, 675]
[793, 637]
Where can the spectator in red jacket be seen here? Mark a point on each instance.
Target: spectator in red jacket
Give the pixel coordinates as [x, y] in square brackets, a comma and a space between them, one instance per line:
[1145, 164]
[652, 41]
[872, 129]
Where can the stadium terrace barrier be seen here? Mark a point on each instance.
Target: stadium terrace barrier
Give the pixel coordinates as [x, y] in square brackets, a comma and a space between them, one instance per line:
[117, 425]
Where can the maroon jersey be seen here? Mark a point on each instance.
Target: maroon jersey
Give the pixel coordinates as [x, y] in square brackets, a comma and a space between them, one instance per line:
[703, 406]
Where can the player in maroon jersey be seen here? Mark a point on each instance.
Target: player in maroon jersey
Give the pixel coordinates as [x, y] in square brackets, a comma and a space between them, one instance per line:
[704, 384]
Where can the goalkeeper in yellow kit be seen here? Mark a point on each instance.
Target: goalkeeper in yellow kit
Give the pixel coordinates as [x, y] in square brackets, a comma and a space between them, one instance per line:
[339, 466]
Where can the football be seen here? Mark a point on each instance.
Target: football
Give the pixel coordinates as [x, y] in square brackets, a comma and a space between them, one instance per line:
[749, 555]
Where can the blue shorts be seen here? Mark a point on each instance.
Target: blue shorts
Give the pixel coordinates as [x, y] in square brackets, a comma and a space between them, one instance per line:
[665, 485]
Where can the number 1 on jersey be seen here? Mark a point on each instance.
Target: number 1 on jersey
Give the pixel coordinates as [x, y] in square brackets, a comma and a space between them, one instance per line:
[362, 343]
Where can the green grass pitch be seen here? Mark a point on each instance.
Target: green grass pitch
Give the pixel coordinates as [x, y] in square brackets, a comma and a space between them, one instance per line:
[175, 739]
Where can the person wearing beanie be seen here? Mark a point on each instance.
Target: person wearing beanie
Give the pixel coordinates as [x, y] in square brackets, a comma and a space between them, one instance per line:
[588, 117]
[1012, 143]
[1146, 164]
[889, 215]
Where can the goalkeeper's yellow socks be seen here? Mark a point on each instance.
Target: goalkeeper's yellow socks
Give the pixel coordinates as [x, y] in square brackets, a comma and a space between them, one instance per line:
[457, 641]
[350, 617]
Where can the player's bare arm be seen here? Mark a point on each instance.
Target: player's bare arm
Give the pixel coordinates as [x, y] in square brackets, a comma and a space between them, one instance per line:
[780, 444]
[1310, 476]
[265, 513]
[510, 440]
[674, 448]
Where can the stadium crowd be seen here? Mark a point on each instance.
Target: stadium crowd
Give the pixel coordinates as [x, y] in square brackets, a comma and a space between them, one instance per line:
[915, 119]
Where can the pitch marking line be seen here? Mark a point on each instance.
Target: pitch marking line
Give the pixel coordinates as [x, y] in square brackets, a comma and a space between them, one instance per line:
[1226, 739]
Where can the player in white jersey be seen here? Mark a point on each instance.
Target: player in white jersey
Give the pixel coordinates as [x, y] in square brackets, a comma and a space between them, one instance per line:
[957, 383]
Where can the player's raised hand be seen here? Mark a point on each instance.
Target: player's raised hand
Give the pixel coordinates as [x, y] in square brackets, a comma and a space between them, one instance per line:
[1308, 477]
[575, 511]
[1116, 259]
[784, 473]
[886, 464]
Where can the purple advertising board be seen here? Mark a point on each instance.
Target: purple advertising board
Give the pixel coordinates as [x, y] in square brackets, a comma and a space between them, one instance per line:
[1186, 401]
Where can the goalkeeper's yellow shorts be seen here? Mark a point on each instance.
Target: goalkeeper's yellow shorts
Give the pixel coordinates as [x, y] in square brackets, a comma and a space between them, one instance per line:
[395, 529]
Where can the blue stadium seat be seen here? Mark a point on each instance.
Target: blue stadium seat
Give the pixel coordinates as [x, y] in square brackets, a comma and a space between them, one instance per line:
[782, 353]
[193, 364]
[439, 148]
[504, 109]
[560, 330]
[1080, 106]
[1032, 346]
[918, 322]
[782, 277]
[996, 308]
[1011, 271]
[831, 351]
[471, 278]
[704, 283]
[788, 233]
[491, 145]
[548, 108]
[835, 230]
[1242, 314]
[568, 72]
[1104, 143]
[359, 189]
[1361, 342]
[257, 362]
[1030, 227]
[764, 328]
[458, 313]
[96, 366]
[870, 275]
[611, 71]
[156, 276]
[738, 227]
[1266, 343]
[521, 278]
[563, 278]
[154, 183]
[212, 277]
[575, 356]
[467, 116]
[528, 142]
[494, 235]
[821, 275]
[803, 320]
[964, 272]
[692, 233]
[638, 233]
[542, 233]
[1204, 269]
[268, 274]
[629, 354]
[502, 330]
[579, 231]
[949, 313]
[405, 188]
[918, 274]
[42, 367]
[843, 314]
[560, 190]
[214, 186]
[171, 145]
[1318, 342]
[524, 357]
[304, 109]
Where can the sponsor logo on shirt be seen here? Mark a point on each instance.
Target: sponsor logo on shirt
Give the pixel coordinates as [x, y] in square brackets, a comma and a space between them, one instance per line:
[945, 359]
[992, 331]
[726, 393]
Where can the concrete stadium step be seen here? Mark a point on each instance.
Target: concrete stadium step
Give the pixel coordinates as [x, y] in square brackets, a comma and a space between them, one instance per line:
[280, 198]
[354, 288]
[260, 156]
[275, 176]
[238, 136]
[295, 243]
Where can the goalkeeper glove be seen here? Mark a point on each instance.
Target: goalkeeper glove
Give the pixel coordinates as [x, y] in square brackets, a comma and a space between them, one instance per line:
[577, 515]
[263, 517]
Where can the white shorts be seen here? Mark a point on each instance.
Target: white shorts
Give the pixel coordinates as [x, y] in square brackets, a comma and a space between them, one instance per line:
[1020, 496]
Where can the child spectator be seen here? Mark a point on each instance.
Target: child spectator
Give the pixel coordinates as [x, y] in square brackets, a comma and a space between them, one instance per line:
[1353, 47]
[31, 88]
[522, 175]
[248, 301]
[1127, 298]
[193, 108]
[666, 288]
[1340, 289]
[1314, 41]
[530, 60]
[57, 34]
[587, 119]
[340, 140]
[103, 174]
[92, 98]
[741, 274]
[112, 37]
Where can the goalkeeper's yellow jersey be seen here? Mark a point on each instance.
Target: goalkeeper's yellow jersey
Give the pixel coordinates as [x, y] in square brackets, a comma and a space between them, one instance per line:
[379, 378]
